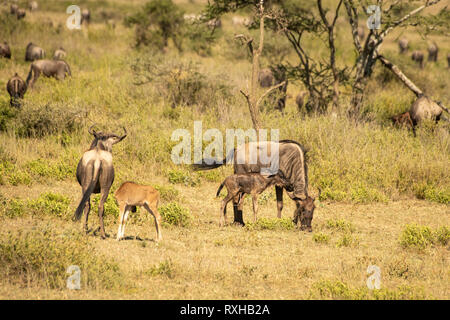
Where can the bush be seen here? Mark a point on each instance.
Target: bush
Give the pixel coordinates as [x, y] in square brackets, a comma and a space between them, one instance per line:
[180, 176]
[174, 214]
[42, 257]
[340, 225]
[421, 237]
[321, 238]
[156, 23]
[164, 268]
[167, 193]
[50, 204]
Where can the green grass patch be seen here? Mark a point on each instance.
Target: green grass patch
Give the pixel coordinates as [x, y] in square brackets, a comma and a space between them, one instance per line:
[271, 224]
[175, 215]
[421, 237]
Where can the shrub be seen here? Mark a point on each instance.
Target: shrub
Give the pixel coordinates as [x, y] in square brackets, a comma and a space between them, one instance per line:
[50, 204]
[340, 225]
[200, 38]
[42, 257]
[167, 193]
[321, 238]
[271, 224]
[180, 176]
[174, 214]
[421, 237]
[347, 240]
[164, 268]
[156, 23]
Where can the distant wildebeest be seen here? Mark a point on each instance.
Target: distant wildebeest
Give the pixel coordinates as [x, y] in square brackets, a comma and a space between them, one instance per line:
[49, 68]
[85, 16]
[95, 174]
[289, 158]
[33, 52]
[433, 52]
[417, 56]
[16, 88]
[266, 78]
[129, 196]
[33, 6]
[13, 8]
[5, 50]
[403, 119]
[20, 13]
[403, 45]
[425, 108]
[59, 54]
[300, 100]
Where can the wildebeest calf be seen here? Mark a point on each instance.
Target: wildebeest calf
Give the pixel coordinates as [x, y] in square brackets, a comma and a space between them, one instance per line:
[16, 88]
[403, 119]
[240, 184]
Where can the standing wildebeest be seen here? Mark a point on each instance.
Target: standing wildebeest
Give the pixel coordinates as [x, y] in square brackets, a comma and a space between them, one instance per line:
[265, 78]
[59, 54]
[33, 52]
[403, 45]
[129, 196]
[425, 108]
[33, 6]
[289, 159]
[300, 100]
[49, 68]
[5, 50]
[95, 174]
[20, 13]
[403, 119]
[417, 56]
[13, 9]
[240, 184]
[268, 77]
[433, 52]
[85, 16]
[16, 88]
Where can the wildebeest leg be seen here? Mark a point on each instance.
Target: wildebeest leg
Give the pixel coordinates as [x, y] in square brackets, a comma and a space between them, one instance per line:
[223, 210]
[255, 207]
[154, 211]
[36, 74]
[296, 213]
[237, 207]
[122, 209]
[101, 208]
[279, 193]
[87, 208]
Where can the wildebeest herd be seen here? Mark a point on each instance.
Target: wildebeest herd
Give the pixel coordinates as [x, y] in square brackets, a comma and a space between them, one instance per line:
[95, 170]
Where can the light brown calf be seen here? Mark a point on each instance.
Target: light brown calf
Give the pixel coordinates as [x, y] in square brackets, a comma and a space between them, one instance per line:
[131, 195]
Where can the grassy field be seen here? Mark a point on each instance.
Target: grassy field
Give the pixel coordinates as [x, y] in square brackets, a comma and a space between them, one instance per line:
[385, 194]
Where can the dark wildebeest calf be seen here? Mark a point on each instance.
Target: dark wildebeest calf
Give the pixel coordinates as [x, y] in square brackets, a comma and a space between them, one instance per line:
[240, 184]
[404, 119]
[20, 13]
[49, 68]
[85, 16]
[33, 52]
[5, 50]
[95, 174]
[16, 88]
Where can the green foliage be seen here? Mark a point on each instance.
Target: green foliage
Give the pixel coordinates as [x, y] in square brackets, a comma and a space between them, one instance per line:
[271, 224]
[167, 193]
[6, 115]
[176, 215]
[420, 237]
[347, 240]
[180, 176]
[321, 237]
[156, 23]
[200, 38]
[52, 204]
[340, 225]
[110, 206]
[43, 256]
[431, 193]
[165, 268]
[58, 171]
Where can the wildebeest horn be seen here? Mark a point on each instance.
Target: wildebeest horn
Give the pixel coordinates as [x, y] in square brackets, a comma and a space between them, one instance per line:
[92, 131]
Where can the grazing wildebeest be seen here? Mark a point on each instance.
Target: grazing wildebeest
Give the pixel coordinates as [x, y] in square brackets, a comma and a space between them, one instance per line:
[13, 8]
[20, 13]
[49, 68]
[425, 108]
[16, 88]
[300, 100]
[417, 56]
[95, 174]
[85, 16]
[279, 73]
[59, 54]
[289, 157]
[433, 52]
[403, 45]
[403, 119]
[129, 196]
[33, 52]
[5, 50]
[240, 184]
[33, 6]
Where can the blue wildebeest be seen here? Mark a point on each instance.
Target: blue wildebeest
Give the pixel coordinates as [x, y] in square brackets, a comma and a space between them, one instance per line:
[289, 160]
[95, 174]
[16, 88]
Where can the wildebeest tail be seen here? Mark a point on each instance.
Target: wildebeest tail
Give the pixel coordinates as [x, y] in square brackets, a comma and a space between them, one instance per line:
[87, 194]
[30, 74]
[220, 188]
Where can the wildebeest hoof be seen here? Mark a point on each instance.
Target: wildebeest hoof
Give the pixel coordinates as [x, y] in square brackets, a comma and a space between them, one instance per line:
[238, 224]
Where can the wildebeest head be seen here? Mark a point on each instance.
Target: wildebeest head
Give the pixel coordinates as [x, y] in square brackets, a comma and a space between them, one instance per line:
[305, 212]
[105, 141]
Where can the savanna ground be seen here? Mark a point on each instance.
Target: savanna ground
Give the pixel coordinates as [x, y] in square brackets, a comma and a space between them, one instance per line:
[385, 194]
